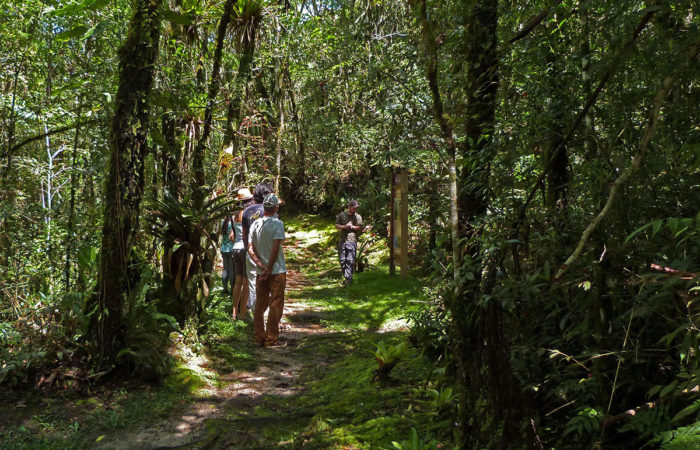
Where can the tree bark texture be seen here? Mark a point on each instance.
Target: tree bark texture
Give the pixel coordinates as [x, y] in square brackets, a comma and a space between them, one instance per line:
[235, 106]
[125, 179]
[198, 179]
[558, 177]
[71, 209]
[481, 88]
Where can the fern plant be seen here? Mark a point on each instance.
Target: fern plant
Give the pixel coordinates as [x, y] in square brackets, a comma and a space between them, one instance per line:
[679, 439]
[147, 341]
[415, 443]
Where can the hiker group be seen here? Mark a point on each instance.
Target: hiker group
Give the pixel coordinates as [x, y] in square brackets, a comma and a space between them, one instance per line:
[255, 271]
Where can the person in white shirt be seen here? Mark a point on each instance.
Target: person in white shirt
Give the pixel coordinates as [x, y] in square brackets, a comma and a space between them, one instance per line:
[265, 249]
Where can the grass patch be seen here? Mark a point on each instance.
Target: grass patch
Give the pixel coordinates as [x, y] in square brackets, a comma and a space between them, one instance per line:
[374, 300]
[229, 344]
[351, 411]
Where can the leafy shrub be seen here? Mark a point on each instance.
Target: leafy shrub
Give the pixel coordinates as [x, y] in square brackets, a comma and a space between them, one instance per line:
[414, 443]
[147, 335]
[428, 328]
[189, 249]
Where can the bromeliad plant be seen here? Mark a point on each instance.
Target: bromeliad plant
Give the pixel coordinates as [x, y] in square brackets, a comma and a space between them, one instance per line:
[189, 247]
[388, 356]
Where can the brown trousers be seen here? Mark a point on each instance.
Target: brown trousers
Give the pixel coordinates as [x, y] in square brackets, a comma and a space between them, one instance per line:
[270, 293]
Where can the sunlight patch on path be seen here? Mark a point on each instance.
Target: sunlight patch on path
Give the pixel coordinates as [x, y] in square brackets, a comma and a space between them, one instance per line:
[277, 375]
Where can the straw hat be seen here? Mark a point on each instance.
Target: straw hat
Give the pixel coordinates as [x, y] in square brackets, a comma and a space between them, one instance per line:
[244, 194]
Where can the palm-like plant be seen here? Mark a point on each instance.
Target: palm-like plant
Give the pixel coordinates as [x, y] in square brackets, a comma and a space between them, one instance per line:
[247, 15]
[183, 229]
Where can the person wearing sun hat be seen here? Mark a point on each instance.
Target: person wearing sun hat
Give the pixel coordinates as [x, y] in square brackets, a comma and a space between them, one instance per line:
[265, 249]
[240, 288]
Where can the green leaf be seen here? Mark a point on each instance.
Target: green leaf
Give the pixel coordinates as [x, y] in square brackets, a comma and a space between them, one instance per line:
[688, 410]
[97, 29]
[87, 257]
[667, 390]
[176, 17]
[72, 33]
[655, 390]
[67, 11]
[94, 5]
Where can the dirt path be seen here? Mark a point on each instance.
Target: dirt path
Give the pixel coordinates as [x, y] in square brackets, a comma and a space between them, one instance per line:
[225, 414]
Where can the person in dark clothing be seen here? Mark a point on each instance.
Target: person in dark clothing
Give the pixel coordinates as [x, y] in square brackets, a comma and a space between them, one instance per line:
[228, 276]
[349, 224]
[250, 215]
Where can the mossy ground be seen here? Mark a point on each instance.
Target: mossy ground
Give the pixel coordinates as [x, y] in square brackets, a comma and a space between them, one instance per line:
[321, 392]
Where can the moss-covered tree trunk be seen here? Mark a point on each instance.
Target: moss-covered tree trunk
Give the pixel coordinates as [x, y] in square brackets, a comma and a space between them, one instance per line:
[125, 180]
[481, 63]
[479, 330]
[235, 105]
[198, 178]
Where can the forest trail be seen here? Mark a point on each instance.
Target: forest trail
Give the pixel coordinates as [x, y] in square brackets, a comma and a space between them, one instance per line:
[233, 409]
[226, 392]
[225, 413]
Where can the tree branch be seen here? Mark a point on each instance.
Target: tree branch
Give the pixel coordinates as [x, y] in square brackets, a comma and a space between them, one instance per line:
[536, 20]
[431, 74]
[579, 118]
[636, 162]
[50, 133]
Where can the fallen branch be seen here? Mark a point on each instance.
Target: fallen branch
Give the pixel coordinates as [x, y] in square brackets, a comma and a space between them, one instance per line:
[636, 163]
[612, 420]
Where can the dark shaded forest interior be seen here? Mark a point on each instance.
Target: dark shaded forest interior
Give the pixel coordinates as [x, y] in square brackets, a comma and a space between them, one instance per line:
[552, 151]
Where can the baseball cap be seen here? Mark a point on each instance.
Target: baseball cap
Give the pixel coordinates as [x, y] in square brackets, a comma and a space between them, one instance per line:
[271, 201]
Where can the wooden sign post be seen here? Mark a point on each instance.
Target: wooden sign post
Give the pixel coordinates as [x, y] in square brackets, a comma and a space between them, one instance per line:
[398, 227]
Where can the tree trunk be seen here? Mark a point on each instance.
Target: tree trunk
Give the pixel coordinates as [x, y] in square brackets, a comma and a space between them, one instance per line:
[170, 155]
[198, 178]
[301, 176]
[235, 106]
[71, 211]
[431, 73]
[557, 182]
[125, 179]
[481, 342]
[481, 88]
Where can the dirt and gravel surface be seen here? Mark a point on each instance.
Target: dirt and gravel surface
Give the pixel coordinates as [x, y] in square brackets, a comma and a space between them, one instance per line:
[224, 413]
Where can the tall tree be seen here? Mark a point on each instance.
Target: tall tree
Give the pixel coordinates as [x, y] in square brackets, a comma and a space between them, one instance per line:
[247, 18]
[125, 179]
[481, 64]
[199, 179]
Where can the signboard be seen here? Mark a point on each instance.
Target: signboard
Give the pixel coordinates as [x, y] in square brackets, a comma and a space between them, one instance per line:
[398, 226]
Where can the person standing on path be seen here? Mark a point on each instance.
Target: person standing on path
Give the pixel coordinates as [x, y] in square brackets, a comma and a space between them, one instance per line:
[228, 236]
[250, 215]
[349, 224]
[240, 288]
[265, 249]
